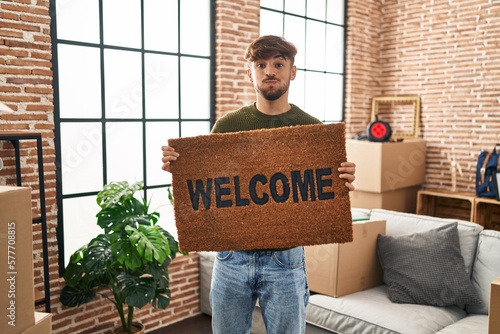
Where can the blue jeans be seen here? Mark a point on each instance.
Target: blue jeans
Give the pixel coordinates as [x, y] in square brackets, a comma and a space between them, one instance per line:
[276, 278]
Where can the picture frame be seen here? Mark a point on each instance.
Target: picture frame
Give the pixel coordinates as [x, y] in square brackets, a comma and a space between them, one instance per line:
[401, 110]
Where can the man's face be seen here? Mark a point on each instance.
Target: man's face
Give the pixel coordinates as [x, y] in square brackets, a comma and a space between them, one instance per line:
[271, 77]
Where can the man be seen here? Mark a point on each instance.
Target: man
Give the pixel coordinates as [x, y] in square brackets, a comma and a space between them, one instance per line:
[275, 277]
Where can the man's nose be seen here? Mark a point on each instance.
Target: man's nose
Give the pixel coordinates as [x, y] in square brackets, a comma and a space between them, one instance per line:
[270, 71]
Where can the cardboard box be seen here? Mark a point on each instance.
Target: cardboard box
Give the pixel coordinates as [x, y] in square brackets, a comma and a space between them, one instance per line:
[43, 324]
[16, 264]
[494, 311]
[403, 200]
[387, 166]
[341, 269]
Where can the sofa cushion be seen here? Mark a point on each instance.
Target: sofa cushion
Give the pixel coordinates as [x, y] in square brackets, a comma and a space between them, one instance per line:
[400, 223]
[486, 268]
[473, 323]
[371, 312]
[426, 268]
[206, 267]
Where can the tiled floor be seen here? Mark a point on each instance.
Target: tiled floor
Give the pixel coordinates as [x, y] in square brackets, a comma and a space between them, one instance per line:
[199, 324]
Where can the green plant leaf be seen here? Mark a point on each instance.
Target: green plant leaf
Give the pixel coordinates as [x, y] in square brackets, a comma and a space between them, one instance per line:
[161, 299]
[150, 242]
[137, 291]
[170, 195]
[72, 296]
[97, 256]
[125, 252]
[173, 245]
[88, 265]
[114, 192]
[74, 274]
[154, 216]
[129, 212]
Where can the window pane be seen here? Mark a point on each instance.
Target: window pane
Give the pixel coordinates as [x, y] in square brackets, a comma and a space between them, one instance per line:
[160, 25]
[124, 151]
[295, 32]
[79, 82]
[274, 4]
[162, 86]
[195, 88]
[122, 22]
[191, 129]
[315, 94]
[75, 14]
[318, 87]
[157, 135]
[123, 84]
[315, 45]
[80, 223]
[316, 9]
[296, 7]
[297, 90]
[81, 157]
[195, 41]
[133, 87]
[271, 23]
[334, 97]
[334, 49]
[335, 11]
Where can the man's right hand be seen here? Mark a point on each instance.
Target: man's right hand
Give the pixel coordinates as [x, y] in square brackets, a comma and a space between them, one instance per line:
[169, 155]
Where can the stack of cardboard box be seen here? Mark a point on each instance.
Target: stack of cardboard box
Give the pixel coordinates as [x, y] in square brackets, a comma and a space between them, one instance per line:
[17, 299]
[341, 269]
[388, 175]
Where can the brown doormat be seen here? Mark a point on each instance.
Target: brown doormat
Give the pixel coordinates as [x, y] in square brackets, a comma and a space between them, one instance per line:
[261, 189]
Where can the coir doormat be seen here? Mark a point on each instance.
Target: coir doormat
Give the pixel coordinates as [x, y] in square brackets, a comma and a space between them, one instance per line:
[261, 189]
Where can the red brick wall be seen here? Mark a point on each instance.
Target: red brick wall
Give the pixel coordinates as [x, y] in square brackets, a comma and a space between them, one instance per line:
[235, 29]
[444, 53]
[363, 74]
[26, 87]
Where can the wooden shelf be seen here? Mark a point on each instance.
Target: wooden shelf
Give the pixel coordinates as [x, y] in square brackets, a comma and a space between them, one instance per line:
[446, 204]
[487, 213]
[459, 205]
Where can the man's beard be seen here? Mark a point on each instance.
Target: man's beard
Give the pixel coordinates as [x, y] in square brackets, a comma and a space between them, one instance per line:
[273, 95]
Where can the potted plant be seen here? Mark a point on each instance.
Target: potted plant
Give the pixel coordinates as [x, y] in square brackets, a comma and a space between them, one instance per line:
[128, 263]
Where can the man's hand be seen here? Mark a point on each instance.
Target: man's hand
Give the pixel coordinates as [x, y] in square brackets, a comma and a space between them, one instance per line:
[347, 170]
[169, 155]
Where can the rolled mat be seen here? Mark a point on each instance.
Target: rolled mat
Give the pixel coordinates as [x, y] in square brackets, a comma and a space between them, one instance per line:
[261, 189]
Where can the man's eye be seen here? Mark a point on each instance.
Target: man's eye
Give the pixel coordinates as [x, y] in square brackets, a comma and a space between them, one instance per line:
[260, 65]
[279, 65]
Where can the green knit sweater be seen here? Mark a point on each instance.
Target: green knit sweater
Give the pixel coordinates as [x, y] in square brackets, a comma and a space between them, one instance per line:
[249, 118]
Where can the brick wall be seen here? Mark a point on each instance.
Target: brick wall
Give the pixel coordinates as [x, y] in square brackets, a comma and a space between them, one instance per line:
[235, 29]
[363, 75]
[26, 87]
[442, 51]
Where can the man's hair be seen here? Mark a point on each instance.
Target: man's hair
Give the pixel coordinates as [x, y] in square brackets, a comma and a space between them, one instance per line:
[265, 47]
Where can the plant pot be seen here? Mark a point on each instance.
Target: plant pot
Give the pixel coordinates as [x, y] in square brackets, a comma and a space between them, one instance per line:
[137, 328]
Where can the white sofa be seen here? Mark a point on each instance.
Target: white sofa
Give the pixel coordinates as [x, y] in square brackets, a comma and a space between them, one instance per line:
[372, 312]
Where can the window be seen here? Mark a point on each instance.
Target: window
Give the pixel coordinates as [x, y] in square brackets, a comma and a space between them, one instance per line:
[128, 75]
[317, 28]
